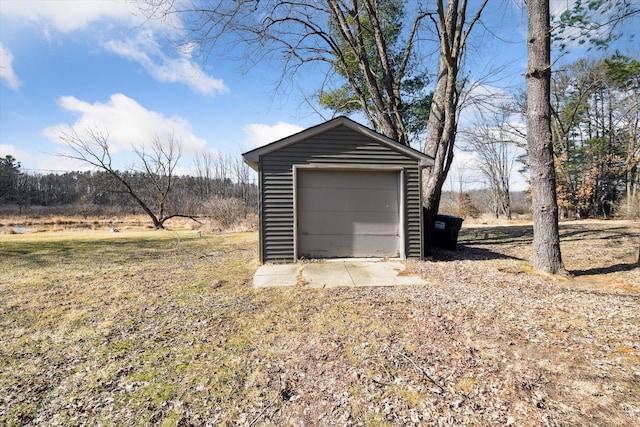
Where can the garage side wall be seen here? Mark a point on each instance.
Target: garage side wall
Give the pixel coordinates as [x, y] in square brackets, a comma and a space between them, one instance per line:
[337, 146]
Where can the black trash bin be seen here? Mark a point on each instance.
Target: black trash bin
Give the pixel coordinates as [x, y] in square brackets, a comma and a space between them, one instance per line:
[445, 230]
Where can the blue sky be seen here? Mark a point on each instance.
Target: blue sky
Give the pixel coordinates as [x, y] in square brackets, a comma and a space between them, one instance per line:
[84, 63]
[97, 63]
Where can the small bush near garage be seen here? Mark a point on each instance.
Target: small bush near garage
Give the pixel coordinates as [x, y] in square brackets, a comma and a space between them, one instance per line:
[226, 212]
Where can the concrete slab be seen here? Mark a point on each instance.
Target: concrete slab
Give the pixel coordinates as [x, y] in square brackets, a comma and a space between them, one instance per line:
[326, 275]
[381, 274]
[343, 273]
[275, 275]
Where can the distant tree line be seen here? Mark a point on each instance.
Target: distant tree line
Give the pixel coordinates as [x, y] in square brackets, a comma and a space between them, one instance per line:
[595, 130]
[596, 136]
[93, 192]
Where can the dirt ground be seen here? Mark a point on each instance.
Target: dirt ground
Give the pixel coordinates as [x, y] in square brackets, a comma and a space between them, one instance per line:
[165, 329]
[487, 342]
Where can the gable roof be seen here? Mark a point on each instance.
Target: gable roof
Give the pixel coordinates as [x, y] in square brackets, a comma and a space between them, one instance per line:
[253, 157]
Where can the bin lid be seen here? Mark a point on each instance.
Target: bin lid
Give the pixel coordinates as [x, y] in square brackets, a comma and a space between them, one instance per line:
[448, 217]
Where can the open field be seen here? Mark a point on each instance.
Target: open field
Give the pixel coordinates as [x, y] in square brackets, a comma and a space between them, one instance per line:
[150, 327]
[40, 223]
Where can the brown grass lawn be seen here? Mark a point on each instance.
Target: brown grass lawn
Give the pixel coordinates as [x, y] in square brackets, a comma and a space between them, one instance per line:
[163, 328]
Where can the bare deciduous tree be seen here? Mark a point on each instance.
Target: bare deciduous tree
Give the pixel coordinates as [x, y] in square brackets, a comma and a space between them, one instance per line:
[242, 173]
[453, 26]
[301, 32]
[91, 147]
[495, 145]
[204, 168]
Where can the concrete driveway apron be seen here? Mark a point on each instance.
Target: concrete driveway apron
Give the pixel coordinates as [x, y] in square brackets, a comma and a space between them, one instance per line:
[335, 273]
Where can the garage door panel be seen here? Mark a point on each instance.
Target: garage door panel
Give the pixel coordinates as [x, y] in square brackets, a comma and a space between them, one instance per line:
[382, 223]
[363, 200]
[348, 213]
[342, 179]
[341, 246]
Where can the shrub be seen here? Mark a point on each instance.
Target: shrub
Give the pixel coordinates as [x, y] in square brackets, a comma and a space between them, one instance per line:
[226, 211]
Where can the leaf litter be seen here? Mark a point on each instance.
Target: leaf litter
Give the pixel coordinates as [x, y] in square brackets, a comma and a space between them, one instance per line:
[169, 332]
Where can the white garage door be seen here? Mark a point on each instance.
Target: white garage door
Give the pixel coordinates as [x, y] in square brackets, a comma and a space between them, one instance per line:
[348, 213]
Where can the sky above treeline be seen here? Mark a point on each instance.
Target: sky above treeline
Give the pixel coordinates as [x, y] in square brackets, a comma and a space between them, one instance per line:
[102, 64]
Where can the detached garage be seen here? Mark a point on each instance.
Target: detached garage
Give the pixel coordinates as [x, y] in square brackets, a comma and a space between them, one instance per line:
[339, 190]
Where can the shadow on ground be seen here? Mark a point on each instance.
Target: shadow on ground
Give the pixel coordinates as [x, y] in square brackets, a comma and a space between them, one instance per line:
[509, 241]
[472, 253]
[606, 270]
[510, 234]
[523, 234]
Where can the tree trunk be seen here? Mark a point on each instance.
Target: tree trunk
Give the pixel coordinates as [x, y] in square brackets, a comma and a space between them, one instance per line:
[442, 117]
[453, 29]
[546, 236]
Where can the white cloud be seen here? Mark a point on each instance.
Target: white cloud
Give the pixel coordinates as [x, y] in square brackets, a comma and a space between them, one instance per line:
[69, 15]
[6, 69]
[147, 52]
[127, 122]
[260, 134]
[11, 150]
